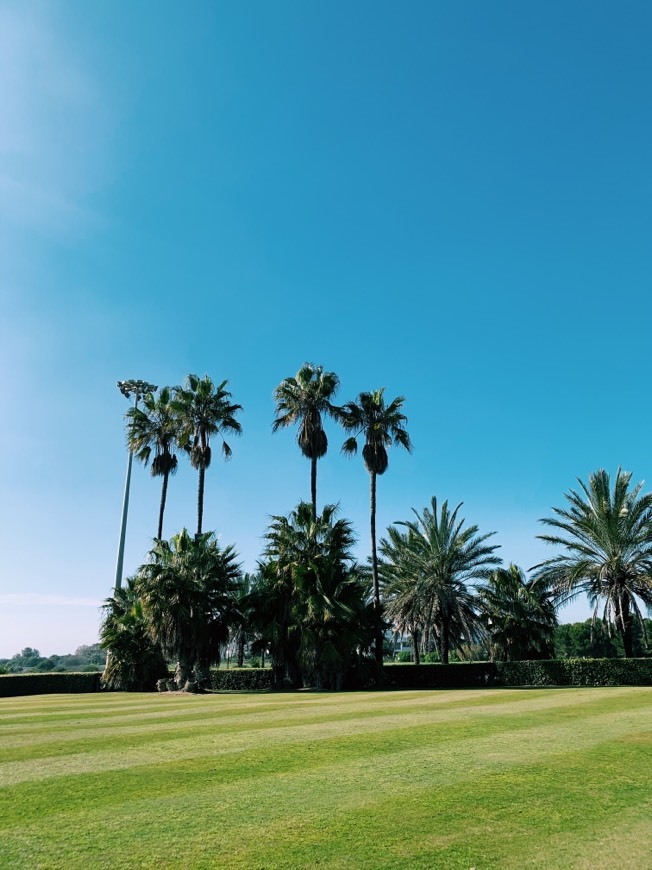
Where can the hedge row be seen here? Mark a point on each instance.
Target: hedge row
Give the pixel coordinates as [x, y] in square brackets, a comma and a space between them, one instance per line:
[242, 679]
[556, 672]
[48, 684]
[560, 672]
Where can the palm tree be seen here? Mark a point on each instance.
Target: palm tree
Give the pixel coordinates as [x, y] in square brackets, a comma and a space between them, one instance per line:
[322, 622]
[204, 410]
[154, 428]
[304, 399]
[606, 533]
[187, 590]
[519, 616]
[134, 661]
[381, 425]
[439, 561]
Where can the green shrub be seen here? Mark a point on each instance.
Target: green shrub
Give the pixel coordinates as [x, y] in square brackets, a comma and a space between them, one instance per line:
[575, 672]
[436, 676]
[12, 685]
[404, 656]
[556, 672]
[242, 679]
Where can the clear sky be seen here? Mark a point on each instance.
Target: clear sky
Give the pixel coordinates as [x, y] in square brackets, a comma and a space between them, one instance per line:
[451, 200]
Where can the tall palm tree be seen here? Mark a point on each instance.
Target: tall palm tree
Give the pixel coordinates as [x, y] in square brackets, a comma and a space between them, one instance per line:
[305, 399]
[204, 410]
[381, 426]
[518, 614]
[153, 428]
[187, 589]
[439, 561]
[606, 533]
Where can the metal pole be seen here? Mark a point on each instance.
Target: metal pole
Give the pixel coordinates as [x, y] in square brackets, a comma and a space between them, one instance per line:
[135, 389]
[125, 511]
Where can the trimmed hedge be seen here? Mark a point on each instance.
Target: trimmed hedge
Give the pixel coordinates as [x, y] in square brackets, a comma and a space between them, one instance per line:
[576, 672]
[242, 679]
[556, 672]
[470, 675]
[12, 685]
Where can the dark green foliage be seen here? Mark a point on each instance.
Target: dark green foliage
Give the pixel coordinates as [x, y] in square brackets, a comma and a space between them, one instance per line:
[428, 571]
[203, 410]
[310, 605]
[12, 685]
[518, 616]
[155, 428]
[605, 533]
[437, 676]
[242, 680]
[134, 661]
[305, 400]
[564, 672]
[187, 591]
[576, 672]
[593, 640]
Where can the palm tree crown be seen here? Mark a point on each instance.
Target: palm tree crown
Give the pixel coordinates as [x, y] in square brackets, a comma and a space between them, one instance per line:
[430, 567]
[304, 400]
[382, 425]
[606, 533]
[518, 614]
[154, 428]
[204, 410]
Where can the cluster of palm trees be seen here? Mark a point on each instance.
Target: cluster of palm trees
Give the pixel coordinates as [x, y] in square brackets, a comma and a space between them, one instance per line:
[310, 607]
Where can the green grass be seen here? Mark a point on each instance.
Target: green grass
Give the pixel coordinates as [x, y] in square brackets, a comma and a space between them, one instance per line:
[552, 778]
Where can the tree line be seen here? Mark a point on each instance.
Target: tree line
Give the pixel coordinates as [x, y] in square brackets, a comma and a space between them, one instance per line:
[310, 607]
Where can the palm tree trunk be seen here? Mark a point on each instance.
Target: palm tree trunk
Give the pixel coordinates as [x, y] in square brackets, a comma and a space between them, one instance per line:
[164, 495]
[445, 642]
[374, 573]
[415, 645]
[313, 486]
[200, 499]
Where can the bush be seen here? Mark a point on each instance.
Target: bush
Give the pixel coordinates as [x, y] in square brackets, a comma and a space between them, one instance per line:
[575, 672]
[12, 685]
[435, 676]
[242, 679]
[556, 672]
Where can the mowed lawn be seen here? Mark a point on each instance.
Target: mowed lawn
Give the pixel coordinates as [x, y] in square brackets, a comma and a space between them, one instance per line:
[451, 779]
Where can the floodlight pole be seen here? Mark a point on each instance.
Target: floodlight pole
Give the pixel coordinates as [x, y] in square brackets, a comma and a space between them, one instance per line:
[128, 389]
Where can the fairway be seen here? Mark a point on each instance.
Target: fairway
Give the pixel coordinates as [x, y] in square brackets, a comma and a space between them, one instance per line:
[451, 779]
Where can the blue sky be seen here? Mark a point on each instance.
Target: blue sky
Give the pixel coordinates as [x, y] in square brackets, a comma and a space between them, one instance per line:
[451, 200]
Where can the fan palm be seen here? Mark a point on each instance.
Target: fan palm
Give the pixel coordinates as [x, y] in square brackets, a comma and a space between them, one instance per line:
[134, 661]
[606, 533]
[326, 622]
[204, 410]
[381, 426]
[518, 615]
[305, 399]
[187, 591]
[154, 429]
[436, 561]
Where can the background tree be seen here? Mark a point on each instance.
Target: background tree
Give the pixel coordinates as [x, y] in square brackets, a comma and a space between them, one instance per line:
[134, 661]
[187, 589]
[518, 615]
[442, 561]
[606, 533]
[305, 400]
[381, 426]
[204, 410]
[314, 598]
[154, 427]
